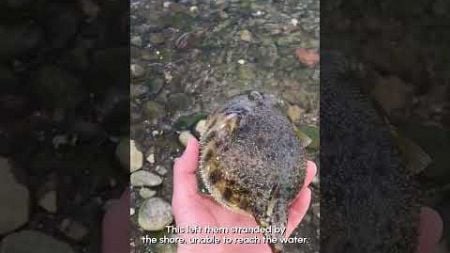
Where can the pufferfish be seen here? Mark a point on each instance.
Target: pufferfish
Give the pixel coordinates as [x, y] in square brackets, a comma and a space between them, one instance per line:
[251, 160]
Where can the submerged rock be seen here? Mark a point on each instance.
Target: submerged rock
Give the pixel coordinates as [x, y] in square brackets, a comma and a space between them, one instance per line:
[14, 200]
[30, 241]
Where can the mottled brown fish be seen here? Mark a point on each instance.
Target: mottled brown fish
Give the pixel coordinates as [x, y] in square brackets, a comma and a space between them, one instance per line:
[251, 160]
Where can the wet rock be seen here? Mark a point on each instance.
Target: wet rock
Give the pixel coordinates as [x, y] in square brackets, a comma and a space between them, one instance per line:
[155, 214]
[161, 170]
[144, 54]
[223, 15]
[172, 247]
[138, 90]
[145, 178]
[246, 35]
[415, 158]
[179, 101]
[299, 97]
[188, 121]
[136, 41]
[269, 55]
[200, 128]
[304, 139]
[48, 201]
[136, 157]
[194, 10]
[316, 181]
[73, 229]
[314, 135]
[14, 199]
[393, 95]
[177, 7]
[19, 39]
[151, 157]
[156, 38]
[137, 70]
[316, 210]
[56, 87]
[288, 40]
[273, 29]
[30, 241]
[146, 193]
[184, 137]
[247, 73]
[166, 4]
[153, 110]
[155, 84]
[294, 113]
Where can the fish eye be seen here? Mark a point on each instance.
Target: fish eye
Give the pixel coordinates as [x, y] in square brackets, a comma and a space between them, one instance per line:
[255, 95]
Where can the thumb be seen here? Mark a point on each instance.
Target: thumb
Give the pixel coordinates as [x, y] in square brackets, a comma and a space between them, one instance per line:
[184, 179]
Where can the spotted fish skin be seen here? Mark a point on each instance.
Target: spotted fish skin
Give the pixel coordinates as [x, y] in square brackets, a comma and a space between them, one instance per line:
[251, 160]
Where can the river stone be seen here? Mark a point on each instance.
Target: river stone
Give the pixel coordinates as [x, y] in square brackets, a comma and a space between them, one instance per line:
[184, 137]
[30, 241]
[151, 158]
[145, 178]
[73, 229]
[200, 128]
[169, 247]
[246, 35]
[137, 70]
[153, 110]
[48, 201]
[156, 38]
[294, 113]
[179, 101]
[136, 41]
[14, 199]
[155, 214]
[136, 157]
[146, 193]
[161, 170]
[138, 90]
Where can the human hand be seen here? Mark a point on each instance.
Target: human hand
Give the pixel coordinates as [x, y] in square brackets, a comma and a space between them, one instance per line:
[190, 208]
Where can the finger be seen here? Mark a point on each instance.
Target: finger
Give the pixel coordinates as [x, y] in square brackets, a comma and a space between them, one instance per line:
[116, 229]
[189, 158]
[298, 210]
[430, 230]
[300, 205]
[184, 179]
[311, 171]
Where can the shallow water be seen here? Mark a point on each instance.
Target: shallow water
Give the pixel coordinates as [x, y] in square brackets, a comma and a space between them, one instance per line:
[190, 56]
